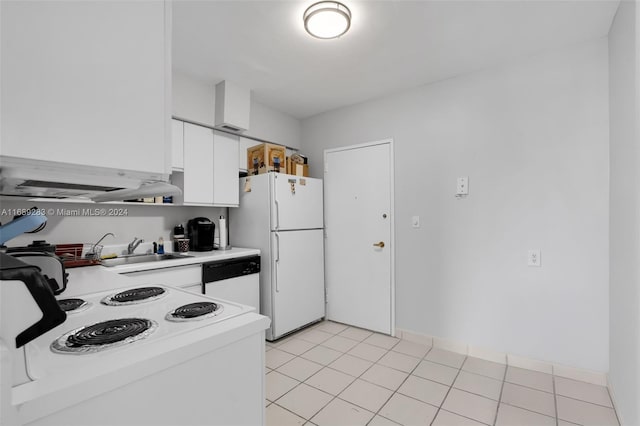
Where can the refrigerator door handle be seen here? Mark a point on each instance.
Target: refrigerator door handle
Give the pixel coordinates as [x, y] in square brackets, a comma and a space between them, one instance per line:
[277, 260]
[276, 202]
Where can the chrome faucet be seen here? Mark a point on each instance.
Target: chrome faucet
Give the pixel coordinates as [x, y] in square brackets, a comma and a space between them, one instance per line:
[134, 244]
[94, 252]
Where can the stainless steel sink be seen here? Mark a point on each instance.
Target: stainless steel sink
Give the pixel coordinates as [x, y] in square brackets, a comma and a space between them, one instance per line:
[141, 258]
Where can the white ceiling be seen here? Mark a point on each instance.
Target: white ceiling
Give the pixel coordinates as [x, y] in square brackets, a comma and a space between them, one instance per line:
[392, 45]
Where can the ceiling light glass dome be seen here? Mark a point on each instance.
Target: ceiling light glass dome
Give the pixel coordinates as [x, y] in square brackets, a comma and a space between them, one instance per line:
[327, 19]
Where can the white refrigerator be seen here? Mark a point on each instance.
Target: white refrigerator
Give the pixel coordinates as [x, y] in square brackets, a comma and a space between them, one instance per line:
[282, 215]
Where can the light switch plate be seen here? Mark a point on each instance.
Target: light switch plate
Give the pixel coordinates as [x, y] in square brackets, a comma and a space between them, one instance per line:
[533, 258]
[462, 187]
[415, 221]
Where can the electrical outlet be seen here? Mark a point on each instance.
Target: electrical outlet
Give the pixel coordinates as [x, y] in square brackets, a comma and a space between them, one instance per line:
[415, 221]
[462, 187]
[533, 258]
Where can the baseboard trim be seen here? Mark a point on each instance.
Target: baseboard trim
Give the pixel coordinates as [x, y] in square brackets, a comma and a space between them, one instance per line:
[414, 337]
[560, 370]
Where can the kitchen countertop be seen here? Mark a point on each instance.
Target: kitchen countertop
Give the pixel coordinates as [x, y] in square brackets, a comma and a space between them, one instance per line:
[91, 279]
[198, 257]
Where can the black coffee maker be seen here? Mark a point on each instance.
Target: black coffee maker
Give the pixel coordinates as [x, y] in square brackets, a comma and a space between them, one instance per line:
[200, 232]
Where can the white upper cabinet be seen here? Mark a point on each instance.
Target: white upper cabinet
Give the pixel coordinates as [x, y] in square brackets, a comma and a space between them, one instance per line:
[242, 152]
[177, 145]
[210, 175]
[198, 165]
[225, 170]
[87, 82]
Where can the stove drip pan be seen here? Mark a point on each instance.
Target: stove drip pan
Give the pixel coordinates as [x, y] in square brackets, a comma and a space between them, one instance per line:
[73, 305]
[103, 335]
[195, 311]
[134, 296]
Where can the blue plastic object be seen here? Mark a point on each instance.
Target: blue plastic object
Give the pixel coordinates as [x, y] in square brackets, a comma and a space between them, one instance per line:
[20, 225]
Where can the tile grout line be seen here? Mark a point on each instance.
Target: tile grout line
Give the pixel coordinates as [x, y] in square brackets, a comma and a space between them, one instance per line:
[289, 411]
[377, 413]
[301, 382]
[526, 409]
[356, 378]
[324, 366]
[554, 393]
[586, 402]
[555, 397]
[529, 387]
[504, 380]
[449, 390]
[423, 358]
[614, 405]
[370, 367]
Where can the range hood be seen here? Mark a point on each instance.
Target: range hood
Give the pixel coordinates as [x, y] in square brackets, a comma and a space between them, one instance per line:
[49, 179]
[233, 106]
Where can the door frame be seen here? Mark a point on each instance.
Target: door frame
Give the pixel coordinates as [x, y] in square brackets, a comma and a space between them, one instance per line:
[388, 141]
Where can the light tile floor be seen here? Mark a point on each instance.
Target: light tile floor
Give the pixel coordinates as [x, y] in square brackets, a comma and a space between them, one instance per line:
[334, 375]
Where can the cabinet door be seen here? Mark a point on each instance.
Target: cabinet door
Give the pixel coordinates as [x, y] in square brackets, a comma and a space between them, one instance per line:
[177, 145]
[86, 82]
[198, 165]
[225, 170]
[242, 152]
[189, 277]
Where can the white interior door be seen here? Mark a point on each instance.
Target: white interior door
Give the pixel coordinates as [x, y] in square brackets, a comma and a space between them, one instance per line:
[298, 279]
[359, 226]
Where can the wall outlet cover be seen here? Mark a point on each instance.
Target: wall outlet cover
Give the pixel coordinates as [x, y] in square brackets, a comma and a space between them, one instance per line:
[462, 185]
[533, 258]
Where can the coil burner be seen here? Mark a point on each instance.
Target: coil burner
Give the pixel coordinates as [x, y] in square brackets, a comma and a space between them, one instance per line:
[74, 305]
[195, 311]
[104, 335]
[134, 296]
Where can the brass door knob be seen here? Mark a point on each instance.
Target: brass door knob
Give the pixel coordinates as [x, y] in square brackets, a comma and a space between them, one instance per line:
[380, 244]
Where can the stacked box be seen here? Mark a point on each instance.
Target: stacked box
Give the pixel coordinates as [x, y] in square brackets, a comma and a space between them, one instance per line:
[296, 165]
[266, 157]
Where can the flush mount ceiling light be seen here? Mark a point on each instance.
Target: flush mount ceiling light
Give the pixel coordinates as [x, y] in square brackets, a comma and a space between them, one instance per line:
[327, 19]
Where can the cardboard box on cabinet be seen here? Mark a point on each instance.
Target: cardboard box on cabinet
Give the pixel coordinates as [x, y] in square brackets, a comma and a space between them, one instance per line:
[300, 170]
[295, 166]
[266, 157]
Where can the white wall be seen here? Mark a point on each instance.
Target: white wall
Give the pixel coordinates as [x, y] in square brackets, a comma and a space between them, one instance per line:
[147, 222]
[275, 126]
[194, 100]
[624, 54]
[533, 139]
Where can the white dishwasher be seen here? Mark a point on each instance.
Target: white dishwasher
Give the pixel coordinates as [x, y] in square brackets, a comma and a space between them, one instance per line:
[236, 280]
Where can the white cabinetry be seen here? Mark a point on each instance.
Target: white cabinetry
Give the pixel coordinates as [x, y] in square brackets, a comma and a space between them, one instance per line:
[187, 277]
[242, 152]
[225, 173]
[177, 145]
[87, 82]
[210, 175]
[198, 165]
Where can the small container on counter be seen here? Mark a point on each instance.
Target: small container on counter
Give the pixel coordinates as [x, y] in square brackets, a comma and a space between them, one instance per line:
[222, 227]
[178, 234]
[183, 245]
